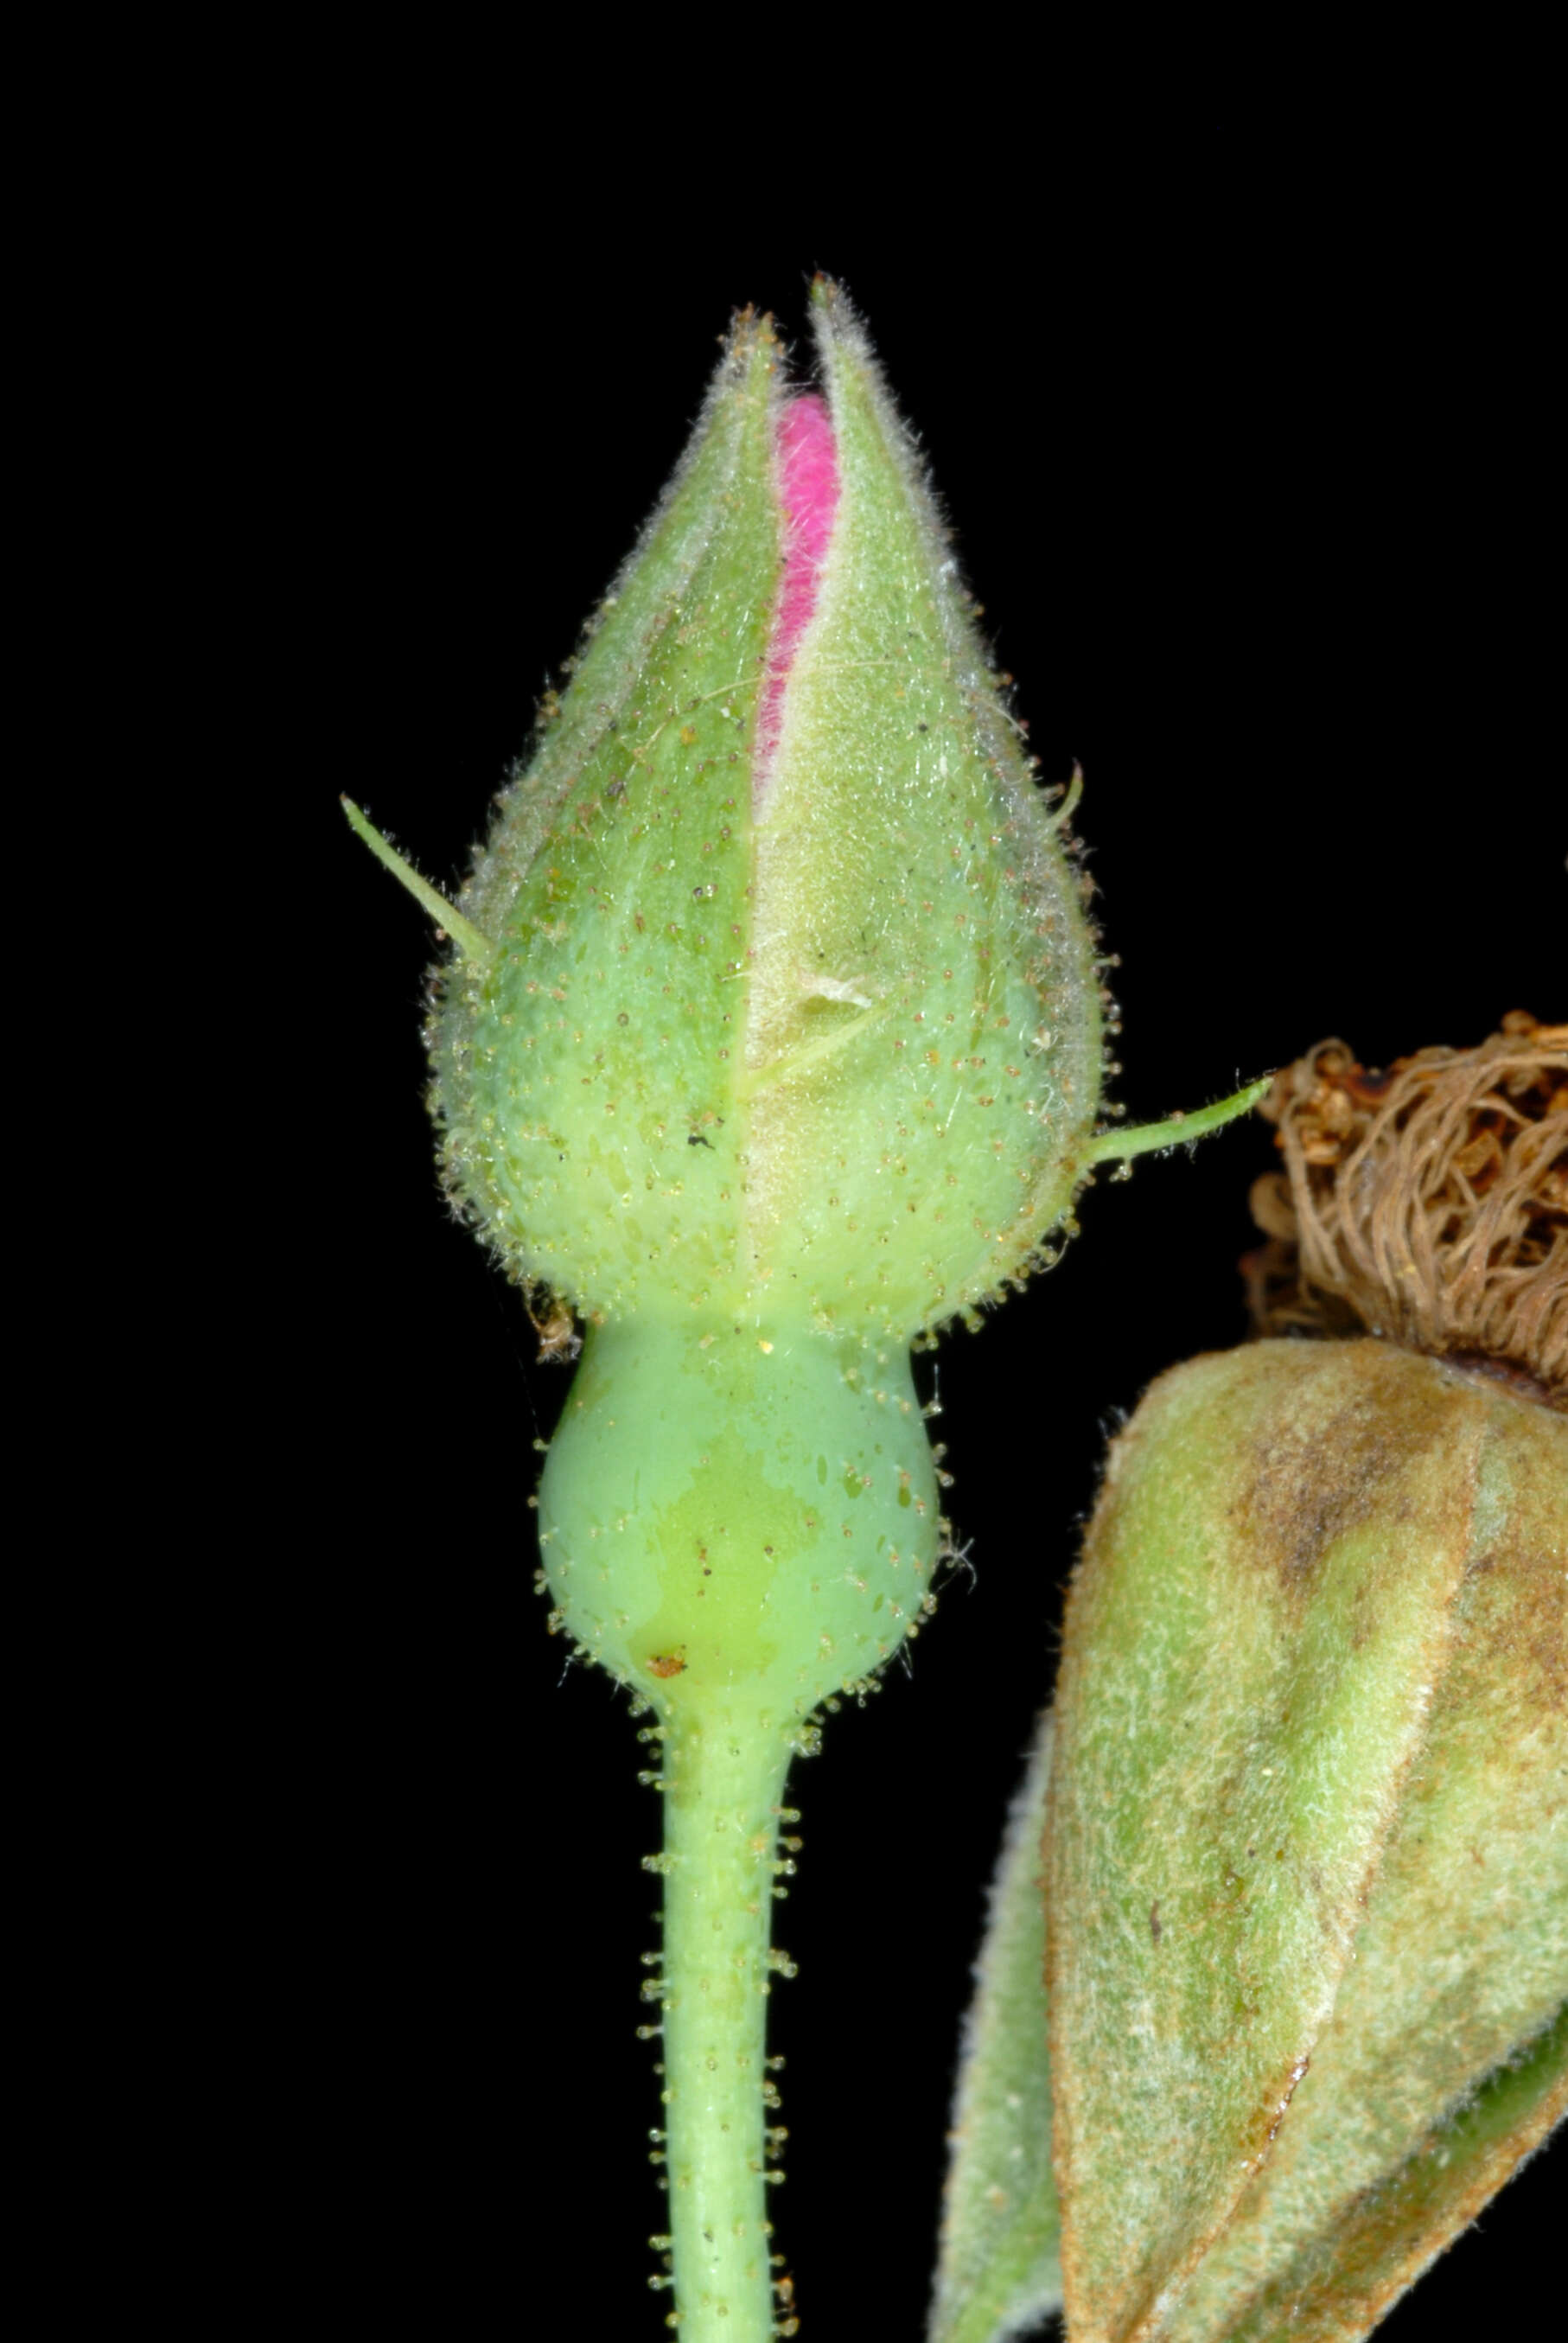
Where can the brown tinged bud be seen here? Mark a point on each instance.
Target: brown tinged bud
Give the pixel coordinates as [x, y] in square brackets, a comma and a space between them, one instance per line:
[1308, 1844]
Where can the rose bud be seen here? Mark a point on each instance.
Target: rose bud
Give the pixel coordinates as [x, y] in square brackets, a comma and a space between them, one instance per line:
[1307, 1852]
[769, 1038]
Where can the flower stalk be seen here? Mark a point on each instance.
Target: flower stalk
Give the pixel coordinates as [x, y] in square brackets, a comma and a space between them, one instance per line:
[723, 1791]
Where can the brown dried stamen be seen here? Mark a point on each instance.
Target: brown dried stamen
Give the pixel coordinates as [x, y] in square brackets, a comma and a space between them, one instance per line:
[1428, 1203]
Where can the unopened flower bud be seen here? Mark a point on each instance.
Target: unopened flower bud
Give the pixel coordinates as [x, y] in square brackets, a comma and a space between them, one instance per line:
[788, 1007]
[1308, 1846]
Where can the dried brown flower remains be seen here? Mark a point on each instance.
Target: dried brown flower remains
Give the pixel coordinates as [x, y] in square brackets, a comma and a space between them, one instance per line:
[1428, 1203]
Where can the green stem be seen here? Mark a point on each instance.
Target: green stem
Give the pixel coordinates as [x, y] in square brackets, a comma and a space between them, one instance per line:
[723, 1782]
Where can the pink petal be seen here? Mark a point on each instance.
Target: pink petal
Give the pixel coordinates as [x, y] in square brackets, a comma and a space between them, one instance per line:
[808, 462]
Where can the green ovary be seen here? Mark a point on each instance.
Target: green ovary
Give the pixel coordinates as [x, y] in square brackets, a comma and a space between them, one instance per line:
[735, 1520]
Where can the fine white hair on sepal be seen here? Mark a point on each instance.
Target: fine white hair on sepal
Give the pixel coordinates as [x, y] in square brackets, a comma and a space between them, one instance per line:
[1000, 2269]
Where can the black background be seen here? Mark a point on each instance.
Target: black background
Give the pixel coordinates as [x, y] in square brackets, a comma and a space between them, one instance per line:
[1248, 473]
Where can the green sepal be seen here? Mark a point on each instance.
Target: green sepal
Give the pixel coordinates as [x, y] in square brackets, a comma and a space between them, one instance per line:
[1117, 1146]
[1341, 2282]
[1000, 2270]
[448, 919]
[585, 1076]
[915, 903]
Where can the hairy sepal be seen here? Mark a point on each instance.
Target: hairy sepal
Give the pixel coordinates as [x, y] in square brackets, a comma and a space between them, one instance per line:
[1000, 2270]
[1307, 1850]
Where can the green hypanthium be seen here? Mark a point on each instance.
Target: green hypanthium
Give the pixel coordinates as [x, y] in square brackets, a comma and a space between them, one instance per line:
[769, 1037]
